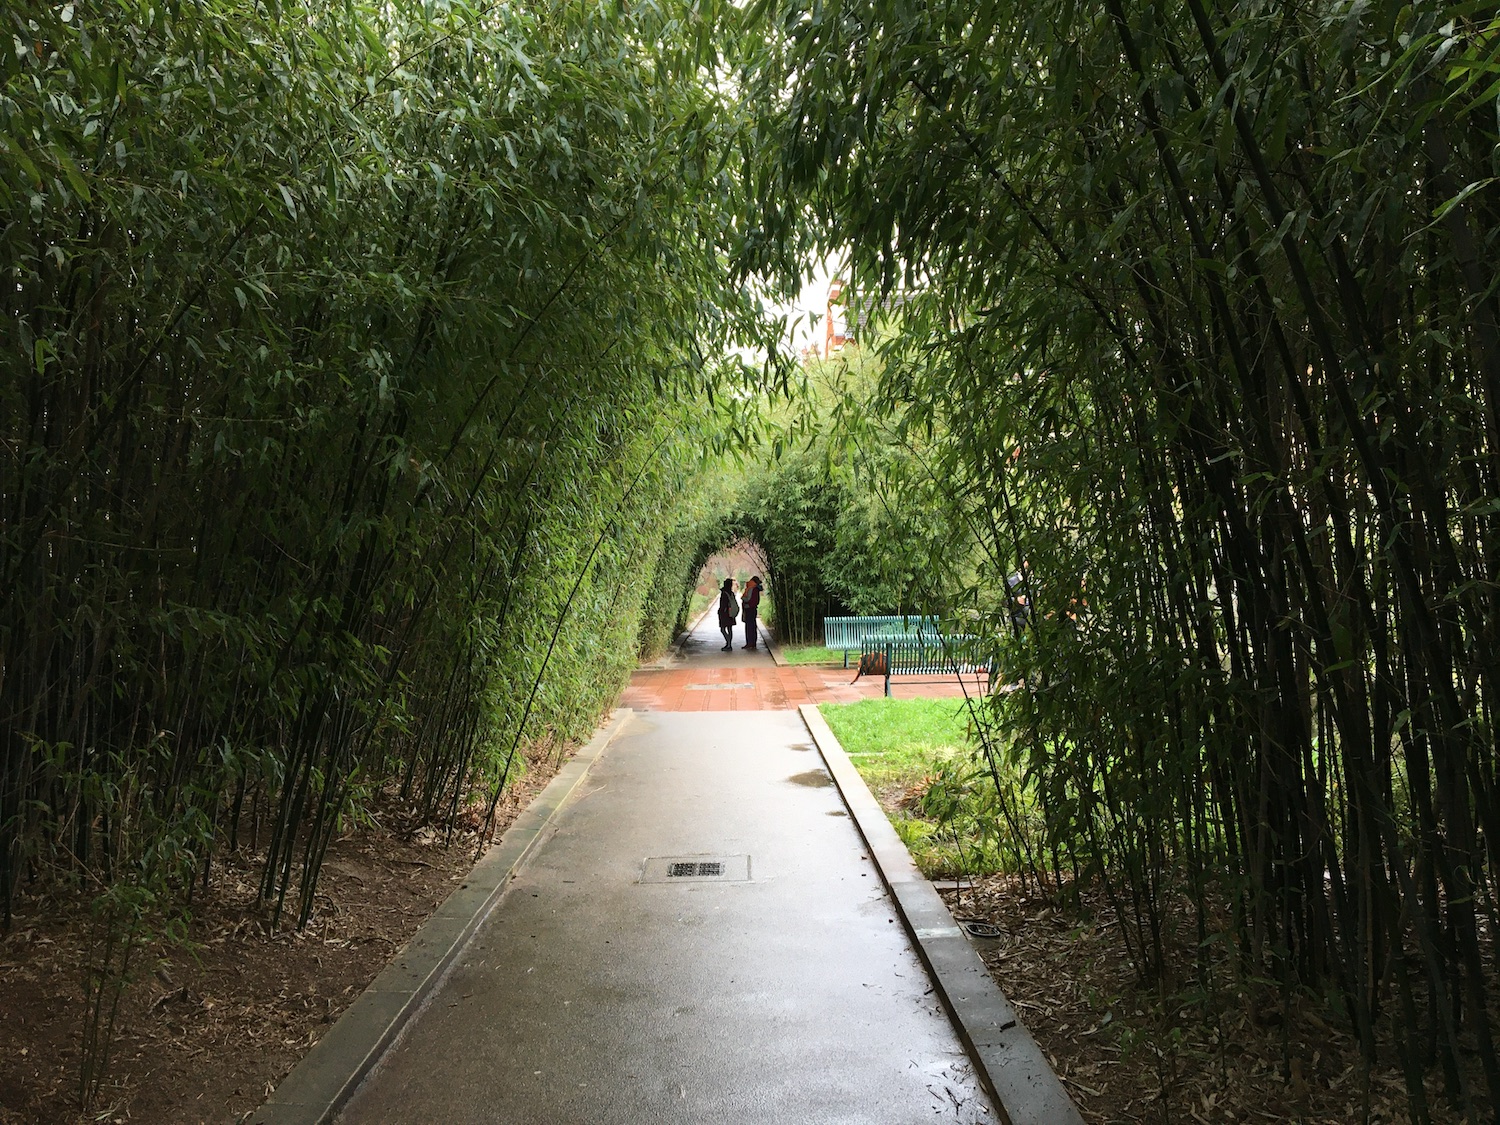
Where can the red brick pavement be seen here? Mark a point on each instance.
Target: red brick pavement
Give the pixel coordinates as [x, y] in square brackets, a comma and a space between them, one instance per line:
[769, 688]
[701, 676]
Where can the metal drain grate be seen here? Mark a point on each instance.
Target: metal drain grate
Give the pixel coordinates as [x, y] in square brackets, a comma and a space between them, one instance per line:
[696, 868]
[692, 870]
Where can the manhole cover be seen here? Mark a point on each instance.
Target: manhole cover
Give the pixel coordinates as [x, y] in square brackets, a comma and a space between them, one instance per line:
[696, 869]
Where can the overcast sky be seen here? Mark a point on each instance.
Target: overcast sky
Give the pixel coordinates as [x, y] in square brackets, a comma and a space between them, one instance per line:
[813, 299]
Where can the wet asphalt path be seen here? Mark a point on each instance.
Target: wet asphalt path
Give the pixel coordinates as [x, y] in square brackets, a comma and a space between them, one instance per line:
[604, 990]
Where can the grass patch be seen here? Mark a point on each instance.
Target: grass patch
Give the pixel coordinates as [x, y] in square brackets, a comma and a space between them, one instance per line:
[810, 654]
[915, 755]
[899, 741]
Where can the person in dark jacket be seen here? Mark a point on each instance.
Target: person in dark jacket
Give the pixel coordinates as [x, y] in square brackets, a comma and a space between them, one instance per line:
[750, 603]
[729, 609]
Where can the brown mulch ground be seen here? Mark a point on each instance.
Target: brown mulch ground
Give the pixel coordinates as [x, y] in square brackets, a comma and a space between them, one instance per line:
[1130, 1053]
[1127, 1054]
[206, 1033]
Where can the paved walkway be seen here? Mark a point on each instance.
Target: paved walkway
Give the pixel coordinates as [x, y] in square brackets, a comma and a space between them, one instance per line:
[776, 987]
[709, 679]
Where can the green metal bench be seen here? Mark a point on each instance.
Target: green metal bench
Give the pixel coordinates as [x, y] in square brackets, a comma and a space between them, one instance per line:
[926, 654]
[849, 633]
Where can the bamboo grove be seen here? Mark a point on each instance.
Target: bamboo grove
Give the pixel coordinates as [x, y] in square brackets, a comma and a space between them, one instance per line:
[1200, 331]
[354, 364]
[360, 362]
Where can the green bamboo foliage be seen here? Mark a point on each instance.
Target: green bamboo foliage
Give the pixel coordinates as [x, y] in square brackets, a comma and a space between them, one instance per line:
[1205, 321]
[356, 352]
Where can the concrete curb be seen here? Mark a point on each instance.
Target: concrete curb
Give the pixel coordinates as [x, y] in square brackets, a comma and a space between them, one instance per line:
[773, 650]
[321, 1084]
[1009, 1062]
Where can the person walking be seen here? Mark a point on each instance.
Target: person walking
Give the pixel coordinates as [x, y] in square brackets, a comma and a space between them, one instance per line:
[750, 603]
[729, 609]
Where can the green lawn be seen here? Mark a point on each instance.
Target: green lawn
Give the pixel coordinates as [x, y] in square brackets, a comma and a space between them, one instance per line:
[914, 754]
[811, 654]
[898, 741]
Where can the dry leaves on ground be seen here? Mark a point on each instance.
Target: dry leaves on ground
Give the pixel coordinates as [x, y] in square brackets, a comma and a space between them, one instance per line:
[1127, 1054]
[206, 1032]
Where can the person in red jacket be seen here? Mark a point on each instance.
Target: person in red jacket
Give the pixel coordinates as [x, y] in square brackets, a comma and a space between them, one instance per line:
[750, 604]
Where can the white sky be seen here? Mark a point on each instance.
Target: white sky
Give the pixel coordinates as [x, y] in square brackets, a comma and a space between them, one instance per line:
[805, 314]
[813, 299]
[808, 311]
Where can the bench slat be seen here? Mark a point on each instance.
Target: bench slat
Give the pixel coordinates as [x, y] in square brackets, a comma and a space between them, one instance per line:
[928, 654]
[848, 633]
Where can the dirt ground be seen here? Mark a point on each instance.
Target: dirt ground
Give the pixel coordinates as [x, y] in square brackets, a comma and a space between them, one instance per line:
[1127, 1054]
[206, 1032]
